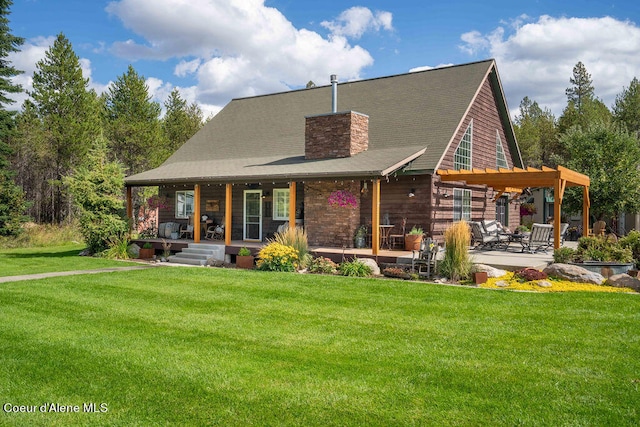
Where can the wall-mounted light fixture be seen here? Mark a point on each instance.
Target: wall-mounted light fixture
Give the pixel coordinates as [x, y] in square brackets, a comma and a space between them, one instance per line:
[365, 189]
[412, 192]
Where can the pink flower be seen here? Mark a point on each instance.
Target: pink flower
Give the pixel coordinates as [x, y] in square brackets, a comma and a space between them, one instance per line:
[343, 199]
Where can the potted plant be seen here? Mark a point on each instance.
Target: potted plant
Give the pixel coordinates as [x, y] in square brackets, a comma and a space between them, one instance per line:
[147, 251]
[244, 259]
[361, 237]
[413, 238]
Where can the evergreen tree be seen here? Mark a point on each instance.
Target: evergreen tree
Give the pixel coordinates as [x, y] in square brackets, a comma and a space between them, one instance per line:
[626, 110]
[180, 122]
[536, 133]
[12, 200]
[69, 114]
[96, 187]
[582, 88]
[133, 123]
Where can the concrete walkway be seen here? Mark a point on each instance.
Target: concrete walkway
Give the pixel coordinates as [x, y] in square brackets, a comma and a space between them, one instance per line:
[20, 278]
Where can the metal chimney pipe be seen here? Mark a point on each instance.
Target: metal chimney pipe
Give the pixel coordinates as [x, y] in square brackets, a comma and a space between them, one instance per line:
[334, 93]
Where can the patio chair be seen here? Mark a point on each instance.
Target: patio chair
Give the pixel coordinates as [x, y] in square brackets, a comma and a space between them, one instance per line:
[426, 257]
[539, 239]
[215, 232]
[395, 239]
[187, 229]
[483, 240]
[563, 233]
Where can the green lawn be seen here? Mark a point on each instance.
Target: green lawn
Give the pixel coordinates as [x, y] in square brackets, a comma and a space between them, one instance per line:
[50, 259]
[196, 346]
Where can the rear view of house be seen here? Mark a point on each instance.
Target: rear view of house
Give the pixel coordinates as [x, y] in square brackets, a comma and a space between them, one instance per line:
[338, 157]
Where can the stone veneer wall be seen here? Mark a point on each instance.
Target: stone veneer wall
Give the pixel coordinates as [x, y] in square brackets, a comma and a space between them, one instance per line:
[327, 225]
[336, 135]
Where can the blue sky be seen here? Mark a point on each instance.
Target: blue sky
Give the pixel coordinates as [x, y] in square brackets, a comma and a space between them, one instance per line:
[215, 50]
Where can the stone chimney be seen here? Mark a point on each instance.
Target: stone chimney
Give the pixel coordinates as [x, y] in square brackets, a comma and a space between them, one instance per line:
[330, 136]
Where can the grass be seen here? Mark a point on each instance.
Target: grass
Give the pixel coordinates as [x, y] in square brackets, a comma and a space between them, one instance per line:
[196, 346]
[50, 259]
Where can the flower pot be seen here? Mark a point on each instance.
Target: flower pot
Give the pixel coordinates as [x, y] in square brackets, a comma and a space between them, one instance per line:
[146, 253]
[479, 277]
[245, 261]
[412, 242]
[360, 242]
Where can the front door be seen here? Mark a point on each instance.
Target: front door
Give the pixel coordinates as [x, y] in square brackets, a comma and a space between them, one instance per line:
[253, 215]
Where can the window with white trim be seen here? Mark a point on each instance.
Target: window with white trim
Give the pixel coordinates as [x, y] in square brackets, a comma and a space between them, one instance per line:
[184, 204]
[281, 204]
[462, 156]
[501, 158]
[461, 204]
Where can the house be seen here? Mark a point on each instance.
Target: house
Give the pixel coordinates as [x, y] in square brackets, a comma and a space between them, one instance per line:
[337, 157]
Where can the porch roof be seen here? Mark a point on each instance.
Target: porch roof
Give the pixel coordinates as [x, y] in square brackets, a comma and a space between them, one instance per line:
[372, 163]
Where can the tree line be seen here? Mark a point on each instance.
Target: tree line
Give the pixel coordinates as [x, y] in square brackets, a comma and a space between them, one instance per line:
[63, 121]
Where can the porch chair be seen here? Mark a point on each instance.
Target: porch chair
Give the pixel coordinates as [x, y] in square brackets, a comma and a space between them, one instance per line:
[426, 257]
[187, 229]
[564, 226]
[483, 240]
[395, 239]
[215, 232]
[539, 239]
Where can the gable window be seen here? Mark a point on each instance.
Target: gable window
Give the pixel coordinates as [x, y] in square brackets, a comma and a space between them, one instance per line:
[462, 156]
[501, 158]
[281, 204]
[461, 204]
[184, 204]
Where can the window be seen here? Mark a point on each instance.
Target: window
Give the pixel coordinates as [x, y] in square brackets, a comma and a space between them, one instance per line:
[281, 204]
[501, 159]
[184, 204]
[462, 156]
[461, 204]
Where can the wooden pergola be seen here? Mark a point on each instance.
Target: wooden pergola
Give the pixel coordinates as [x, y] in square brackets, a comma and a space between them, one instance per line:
[516, 179]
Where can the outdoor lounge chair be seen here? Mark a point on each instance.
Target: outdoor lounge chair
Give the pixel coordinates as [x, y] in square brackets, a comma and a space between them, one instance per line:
[484, 240]
[187, 229]
[215, 232]
[563, 232]
[539, 239]
[425, 258]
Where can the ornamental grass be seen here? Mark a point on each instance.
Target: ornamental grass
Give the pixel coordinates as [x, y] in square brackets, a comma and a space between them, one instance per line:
[296, 238]
[456, 264]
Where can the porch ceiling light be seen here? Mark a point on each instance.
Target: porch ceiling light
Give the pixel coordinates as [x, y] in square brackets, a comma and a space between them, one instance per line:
[412, 192]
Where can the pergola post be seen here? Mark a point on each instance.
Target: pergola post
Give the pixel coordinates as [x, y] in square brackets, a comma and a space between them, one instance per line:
[227, 215]
[196, 213]
[558, 193]
[129, 207]
[586, 204]
[375, 217]
[292, 205]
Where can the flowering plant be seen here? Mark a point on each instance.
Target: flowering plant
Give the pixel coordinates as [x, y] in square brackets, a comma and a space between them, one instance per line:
[343, 199]
[158, 202]
[528, 209]
[278, 257]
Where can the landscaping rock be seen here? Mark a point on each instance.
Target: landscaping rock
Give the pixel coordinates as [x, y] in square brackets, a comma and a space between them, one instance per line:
[544, 284]
[134, 250]
[375, 270]
[573, 273]
[85, 252]
[491, 271]
[502, 283]
[624, 281]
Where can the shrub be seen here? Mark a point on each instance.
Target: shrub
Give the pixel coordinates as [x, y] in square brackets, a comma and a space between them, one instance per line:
[323, 265]
[456, 264]
[530, 274]
[118, 247]
[244, 252]
[354, 268]
[147, 246]
[396, 272]
[632, 242]
[294, 237]
[594, 248]
[563, 255]
[278, 257]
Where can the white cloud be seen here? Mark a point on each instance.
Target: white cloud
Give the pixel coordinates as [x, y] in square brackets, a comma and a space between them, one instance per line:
[536, 58]
[242, 47]
[354, 22]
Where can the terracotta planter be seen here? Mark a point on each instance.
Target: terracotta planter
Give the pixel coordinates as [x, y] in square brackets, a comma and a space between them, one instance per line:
[146, 253]
[245, 261]
[479, 277]
[412, 242]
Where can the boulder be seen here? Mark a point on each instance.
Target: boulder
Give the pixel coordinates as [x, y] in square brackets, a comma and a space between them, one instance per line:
[574, 273]
[134, 250]
[502, 283]
[624, 281]
[544, 284]
[491, 271]
[375, 270]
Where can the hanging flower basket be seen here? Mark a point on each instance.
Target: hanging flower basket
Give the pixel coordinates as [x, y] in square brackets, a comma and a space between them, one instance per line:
[342, 199]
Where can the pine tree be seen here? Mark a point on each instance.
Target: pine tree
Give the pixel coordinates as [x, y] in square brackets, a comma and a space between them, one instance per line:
[132, 123]
[69, 114]
[582, 89]
[536, 134]
[626, 110]
[180, 122]
[12, 200]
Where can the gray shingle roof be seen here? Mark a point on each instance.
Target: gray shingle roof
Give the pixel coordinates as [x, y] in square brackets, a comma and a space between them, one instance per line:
[411, 116]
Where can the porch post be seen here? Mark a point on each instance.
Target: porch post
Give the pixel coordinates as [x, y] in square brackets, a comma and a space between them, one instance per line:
[292, 205]
[558, 195]
[586, 204]
[129, 207]
[196, 213]
[227, 215]
[375, 217]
